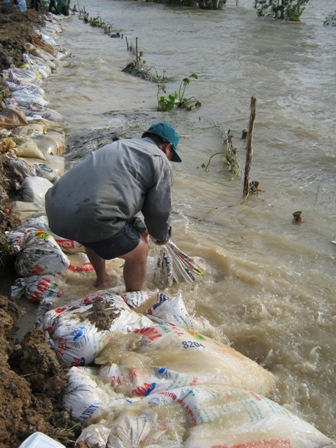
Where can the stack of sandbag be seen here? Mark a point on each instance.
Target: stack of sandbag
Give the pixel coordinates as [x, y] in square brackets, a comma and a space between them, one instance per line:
[147, 384]
[42, 258]
[32, 135]
[39, 263]
[77, 338]
[197, 416]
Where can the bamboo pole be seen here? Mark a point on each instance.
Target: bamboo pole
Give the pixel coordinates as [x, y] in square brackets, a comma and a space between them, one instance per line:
[249, 148]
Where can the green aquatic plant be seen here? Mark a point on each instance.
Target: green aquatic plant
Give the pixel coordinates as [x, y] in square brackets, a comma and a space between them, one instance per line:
[229, 153]
[177, 99]
[139, 68]
[330, 19]
[96, 21]
[281, 9]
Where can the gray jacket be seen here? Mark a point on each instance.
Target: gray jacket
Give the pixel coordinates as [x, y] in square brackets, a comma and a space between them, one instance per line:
[110, 186]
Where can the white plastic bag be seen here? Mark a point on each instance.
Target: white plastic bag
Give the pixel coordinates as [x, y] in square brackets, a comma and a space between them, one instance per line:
[79, 331]
[37, 253]
[36, 288]
[166, 356]
[34, 189]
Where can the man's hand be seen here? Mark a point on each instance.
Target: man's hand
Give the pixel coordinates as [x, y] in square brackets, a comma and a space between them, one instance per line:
[159, 243]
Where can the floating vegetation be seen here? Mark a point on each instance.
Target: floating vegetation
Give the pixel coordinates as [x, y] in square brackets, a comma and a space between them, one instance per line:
[98, 23]
[177, 99]
[229, 153]
[202, 4]
[330, 19]
[282, 10]
[138, 66]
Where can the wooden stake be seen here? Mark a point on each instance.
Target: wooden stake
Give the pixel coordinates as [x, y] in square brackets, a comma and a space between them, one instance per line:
[136, 53]
[249, 149]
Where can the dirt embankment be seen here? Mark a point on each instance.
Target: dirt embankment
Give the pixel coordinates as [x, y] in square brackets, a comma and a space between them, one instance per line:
[31, 376]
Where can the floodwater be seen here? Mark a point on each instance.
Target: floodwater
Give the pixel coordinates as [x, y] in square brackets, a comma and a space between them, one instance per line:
[269, 284]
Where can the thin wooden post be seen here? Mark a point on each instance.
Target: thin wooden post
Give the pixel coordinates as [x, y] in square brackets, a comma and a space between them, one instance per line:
[249, 148]
[136, 53]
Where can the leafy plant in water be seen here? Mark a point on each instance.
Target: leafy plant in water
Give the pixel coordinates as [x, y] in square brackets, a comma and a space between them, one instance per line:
[281, 9]
[177, 99]
[96, 21]
[230, 155]
[330, 19]
[139, 68]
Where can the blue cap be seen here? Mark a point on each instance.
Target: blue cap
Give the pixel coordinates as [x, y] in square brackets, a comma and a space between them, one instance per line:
[167, 133]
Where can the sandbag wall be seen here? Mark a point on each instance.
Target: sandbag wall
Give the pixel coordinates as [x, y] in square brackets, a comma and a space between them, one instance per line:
[33, 135]
[33, 140]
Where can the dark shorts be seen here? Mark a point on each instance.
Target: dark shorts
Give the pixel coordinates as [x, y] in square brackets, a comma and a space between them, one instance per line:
[117, 245]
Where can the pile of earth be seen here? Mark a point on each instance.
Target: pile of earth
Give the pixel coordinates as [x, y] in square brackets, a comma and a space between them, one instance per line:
[31, 377]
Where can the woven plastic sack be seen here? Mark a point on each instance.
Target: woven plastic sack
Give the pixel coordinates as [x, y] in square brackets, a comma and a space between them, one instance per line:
[36, 288]
[166, 356]
[79, 331]
[34, 189]
[37, 253]
[11, 118]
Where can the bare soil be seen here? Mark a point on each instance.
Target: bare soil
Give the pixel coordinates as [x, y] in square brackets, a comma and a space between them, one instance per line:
[31, 377]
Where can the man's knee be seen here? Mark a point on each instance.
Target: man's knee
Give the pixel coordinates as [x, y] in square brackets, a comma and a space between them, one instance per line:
[139, 254]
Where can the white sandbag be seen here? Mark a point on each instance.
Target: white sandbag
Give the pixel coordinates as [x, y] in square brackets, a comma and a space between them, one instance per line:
[69, 246]
[167, 356]
[30, 130]
[83, 265]
[34, 189]
[28, 87]
[44, 55]
[28, 148]
[20, 75]
[94, 436]
[79, 331]
[154, 427]
[37, 253]
[36, 288]
[19, 165]
[49, 125]
[52, 143]
[87, 399]
[44, 112]
[56, 163]
[40, 222]
[39, 66]
[171, 310]
[132, 431]
[136, 298]
[43, 170]
[48, 38]
[82, 397]
[40, 56]
[25, 99]
[196, 416]
[218, 416]
[26, 210]
[236, 418]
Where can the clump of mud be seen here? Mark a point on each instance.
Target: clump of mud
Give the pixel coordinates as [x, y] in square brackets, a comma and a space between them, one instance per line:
[31, 383]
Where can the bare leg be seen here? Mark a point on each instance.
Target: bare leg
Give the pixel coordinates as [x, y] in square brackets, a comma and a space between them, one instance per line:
[99, 265]
[135, 268]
